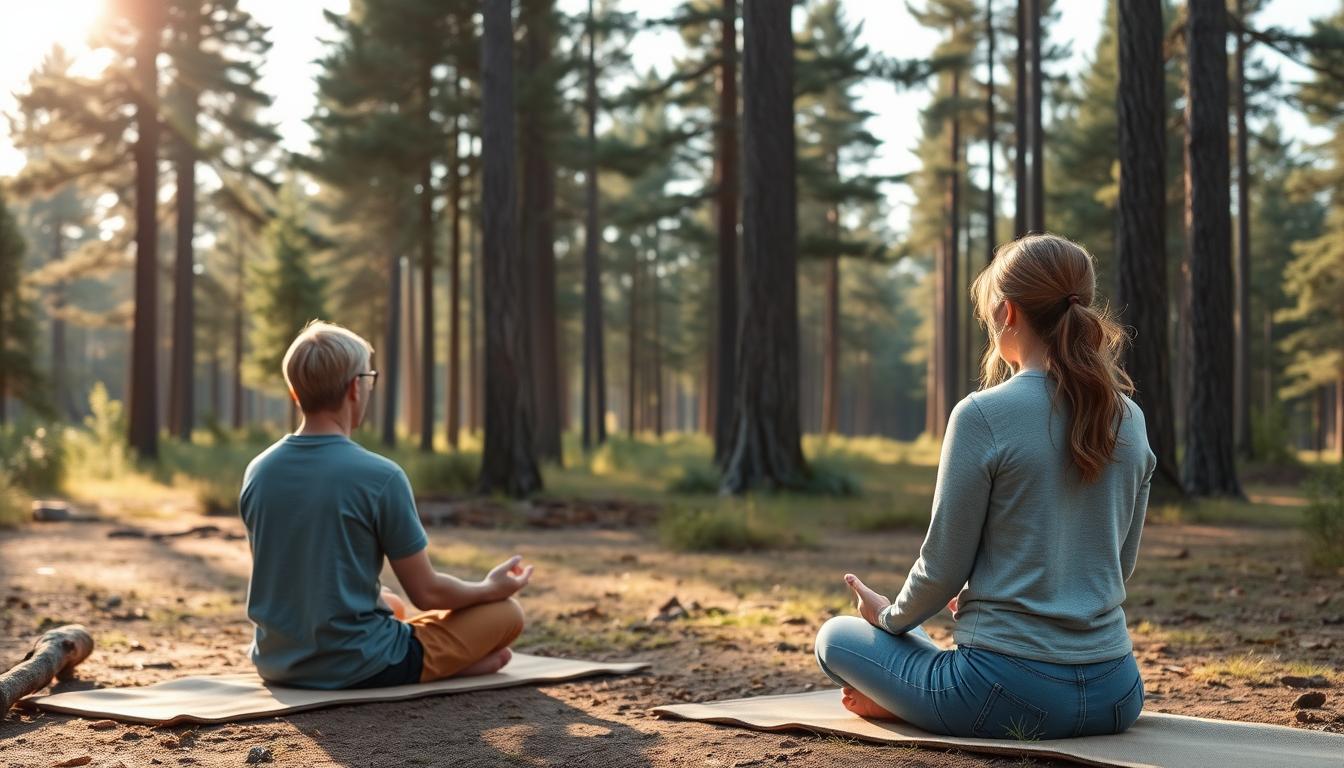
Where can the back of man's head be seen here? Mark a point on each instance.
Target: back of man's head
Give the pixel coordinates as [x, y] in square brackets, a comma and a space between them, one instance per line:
[320, 364]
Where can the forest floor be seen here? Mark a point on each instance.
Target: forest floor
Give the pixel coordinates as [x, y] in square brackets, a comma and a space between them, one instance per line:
[1218, 612]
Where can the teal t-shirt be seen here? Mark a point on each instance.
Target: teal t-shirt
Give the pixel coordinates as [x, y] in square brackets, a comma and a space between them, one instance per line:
[321, 514]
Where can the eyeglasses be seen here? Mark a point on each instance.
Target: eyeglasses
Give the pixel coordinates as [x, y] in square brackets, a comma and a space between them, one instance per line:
[373, 374]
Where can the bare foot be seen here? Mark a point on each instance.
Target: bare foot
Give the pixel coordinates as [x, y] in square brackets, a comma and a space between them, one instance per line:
[863, 706]
[489, 665]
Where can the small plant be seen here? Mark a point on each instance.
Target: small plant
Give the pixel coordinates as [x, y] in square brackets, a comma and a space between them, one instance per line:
[1018, 730]
[736, 528]
[829, 478]
[902, 513]
[13, 503]
[1324, 519]
[99, 451]
[695, 479]
[33, 457]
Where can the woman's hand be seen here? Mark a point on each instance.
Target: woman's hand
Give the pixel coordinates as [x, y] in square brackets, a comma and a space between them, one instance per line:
[505, 579]
[870, 604]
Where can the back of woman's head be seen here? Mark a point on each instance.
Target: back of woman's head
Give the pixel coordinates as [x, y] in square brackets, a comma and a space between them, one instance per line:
[1052, 283]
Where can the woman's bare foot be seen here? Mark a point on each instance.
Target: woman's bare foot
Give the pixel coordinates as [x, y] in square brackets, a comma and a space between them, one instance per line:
[489, 665]
[863, 706]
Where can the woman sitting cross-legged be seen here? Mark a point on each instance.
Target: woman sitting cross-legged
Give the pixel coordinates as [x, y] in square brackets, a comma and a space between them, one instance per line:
[1040, 501]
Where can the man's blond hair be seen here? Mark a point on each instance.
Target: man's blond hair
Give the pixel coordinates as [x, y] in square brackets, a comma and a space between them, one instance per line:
[321, 362]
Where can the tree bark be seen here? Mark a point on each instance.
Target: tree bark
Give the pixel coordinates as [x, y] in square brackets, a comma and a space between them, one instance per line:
[454, 384]
[991, 204]
[473, 316]
[1209, 467]
[1242, 317]
[60, 367]
[54, 655]
[766, 444]
[655, 300]
[182, 379]
[830, 366]
[239, 311]
[632, 350]
[726, 167]
[508, 460]
[1036, 207]
[538, 239]
[1339, 417]
[1020, 121]
[594, 363]
[390, 367]
[427, 257]
[1140, 235]
[148, 18]
[948, 278]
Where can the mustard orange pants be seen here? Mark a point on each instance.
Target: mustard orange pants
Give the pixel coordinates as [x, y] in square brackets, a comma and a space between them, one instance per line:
[454, 640]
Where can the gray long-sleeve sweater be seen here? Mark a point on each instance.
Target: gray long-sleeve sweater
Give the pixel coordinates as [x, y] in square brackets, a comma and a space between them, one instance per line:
[1039, 557]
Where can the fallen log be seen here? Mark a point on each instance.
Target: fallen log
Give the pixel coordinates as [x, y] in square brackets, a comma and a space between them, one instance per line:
[55, 654]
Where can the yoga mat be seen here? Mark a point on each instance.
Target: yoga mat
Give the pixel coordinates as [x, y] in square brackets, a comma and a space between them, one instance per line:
[1168, 741]
[226, 698]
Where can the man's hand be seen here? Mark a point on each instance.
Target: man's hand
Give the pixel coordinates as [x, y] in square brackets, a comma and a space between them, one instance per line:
[870, 604]
[505, 579]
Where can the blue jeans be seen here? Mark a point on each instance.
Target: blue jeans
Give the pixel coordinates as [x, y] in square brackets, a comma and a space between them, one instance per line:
[970, 691]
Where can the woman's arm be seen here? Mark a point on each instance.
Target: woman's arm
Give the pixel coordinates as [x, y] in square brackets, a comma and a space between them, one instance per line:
[960, 503]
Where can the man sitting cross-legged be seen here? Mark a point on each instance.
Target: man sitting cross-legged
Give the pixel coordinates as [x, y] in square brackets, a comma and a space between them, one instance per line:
[321, 514]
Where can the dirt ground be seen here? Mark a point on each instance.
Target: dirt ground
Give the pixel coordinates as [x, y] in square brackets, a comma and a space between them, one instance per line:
[1218, 615]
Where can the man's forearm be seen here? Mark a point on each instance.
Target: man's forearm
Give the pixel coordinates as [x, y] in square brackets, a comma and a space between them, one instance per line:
[451, 593]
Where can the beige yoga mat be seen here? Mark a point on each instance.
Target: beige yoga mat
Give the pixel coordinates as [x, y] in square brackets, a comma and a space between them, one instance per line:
[225, 698]
[1169, 741]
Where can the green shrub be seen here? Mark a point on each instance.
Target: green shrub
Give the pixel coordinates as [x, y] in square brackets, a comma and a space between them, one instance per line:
[695, 480]
[99, 450]
[737, 528]
[13, 503]
[33, 457]
[1271, 437]
[1324, 518]
[829, 478]
[440, 473]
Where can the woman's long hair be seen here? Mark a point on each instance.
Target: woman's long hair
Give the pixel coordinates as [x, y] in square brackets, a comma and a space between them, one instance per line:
[1052, 282]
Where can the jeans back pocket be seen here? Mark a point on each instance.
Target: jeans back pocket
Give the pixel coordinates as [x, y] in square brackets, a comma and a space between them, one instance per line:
[1129, 706]
[1008, 716]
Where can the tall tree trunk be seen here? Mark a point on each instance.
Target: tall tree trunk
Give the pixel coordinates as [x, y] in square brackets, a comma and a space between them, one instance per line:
[1241, 415]
[632, 350]
[454, 372]
[239, 310]
[508, 460]
[655, 301]
[182, 379]
[473, 335]
[216, 392]
[1339, 417]
[4, 370]
[538, 236]
[830, 366]
[1022, 182]
[1140, 235]
[427, 256]
[726, 168]
[60, 371]
[991, 129]
[1210, 466]
[766, 445]
[948, 278]
[148, 18]
[1036, 206]
[392, 350]
[594, 363]
[409, 359]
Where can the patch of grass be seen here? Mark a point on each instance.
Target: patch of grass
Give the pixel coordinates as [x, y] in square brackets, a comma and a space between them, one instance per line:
[694, 480]
[898, 513]
[740, 527]
[1324, 519]
[1226, 512]
[32, 456]
[1258, 670]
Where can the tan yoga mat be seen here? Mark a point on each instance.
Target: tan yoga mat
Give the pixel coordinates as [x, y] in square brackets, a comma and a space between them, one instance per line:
[225, 698]
[1168, 741]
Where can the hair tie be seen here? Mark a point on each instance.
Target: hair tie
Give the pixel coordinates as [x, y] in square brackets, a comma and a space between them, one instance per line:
[1073, 298]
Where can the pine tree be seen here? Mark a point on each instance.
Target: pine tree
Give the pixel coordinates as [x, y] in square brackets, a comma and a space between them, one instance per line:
[214, 49]
[1209, 467]
[767, 452]
[831, 63]
[285, 291]
[508, 460]
[19, 375]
